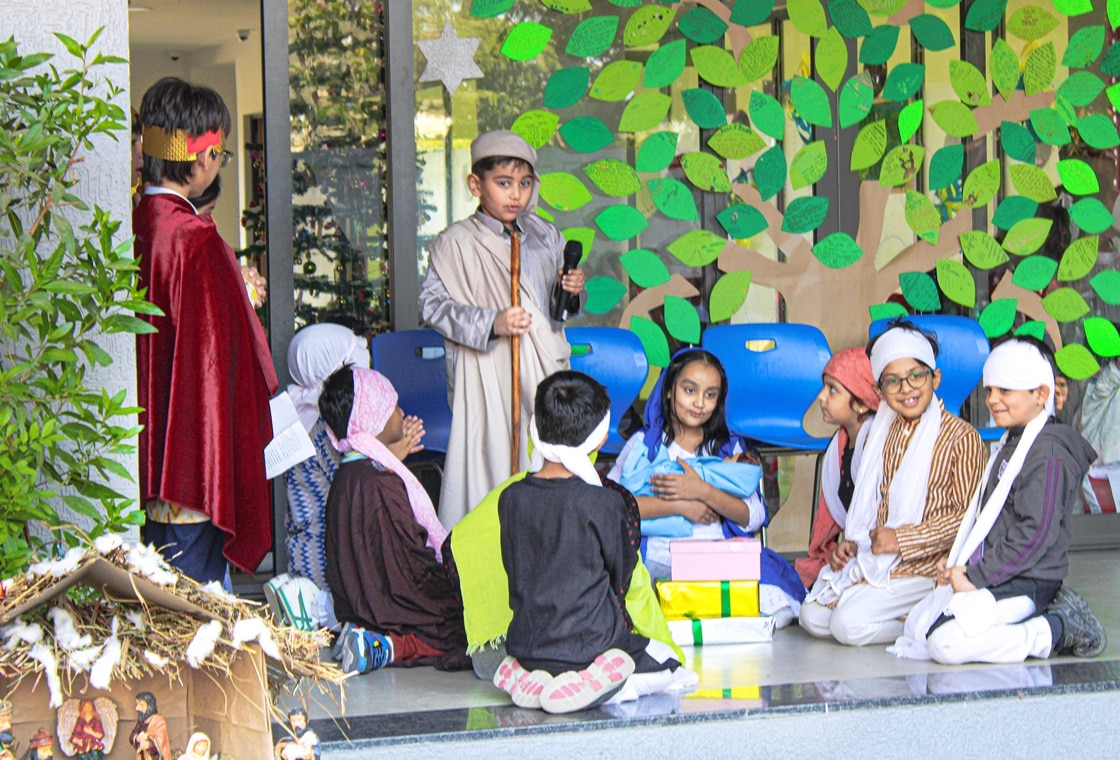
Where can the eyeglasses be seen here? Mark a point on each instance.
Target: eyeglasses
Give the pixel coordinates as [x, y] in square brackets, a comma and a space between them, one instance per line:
[915, 380]
[219, 153]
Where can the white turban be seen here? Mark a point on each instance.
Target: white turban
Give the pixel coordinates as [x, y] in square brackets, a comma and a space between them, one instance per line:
[1019, 366]
[900, 343]
[576, 459]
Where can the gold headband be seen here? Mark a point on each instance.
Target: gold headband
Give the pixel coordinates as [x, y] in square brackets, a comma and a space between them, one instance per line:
[178, 145]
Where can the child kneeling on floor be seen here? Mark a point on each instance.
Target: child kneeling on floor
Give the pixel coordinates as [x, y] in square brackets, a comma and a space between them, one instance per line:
[1010, 555]
[567, 552]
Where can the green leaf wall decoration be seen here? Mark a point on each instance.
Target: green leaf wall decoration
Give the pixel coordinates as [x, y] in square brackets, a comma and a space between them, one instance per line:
[697, 248]
[681, 320]
[728, 295]
[647, 25]
[653, 341]
[645, 268]
[603, 294]
[706, 172]
[956, 282]
[1075, 362]
[1035, 273]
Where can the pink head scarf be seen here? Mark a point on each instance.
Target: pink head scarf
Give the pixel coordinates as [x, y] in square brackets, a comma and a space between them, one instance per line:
[375, 400]
[853, 369]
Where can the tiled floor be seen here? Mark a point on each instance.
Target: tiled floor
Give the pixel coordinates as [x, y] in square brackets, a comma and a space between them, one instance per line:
[794, 670]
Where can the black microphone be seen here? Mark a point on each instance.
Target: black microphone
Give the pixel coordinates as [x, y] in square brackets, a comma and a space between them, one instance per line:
[564, 304]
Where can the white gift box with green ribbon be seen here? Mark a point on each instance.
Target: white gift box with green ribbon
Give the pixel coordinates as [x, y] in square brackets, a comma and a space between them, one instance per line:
[730, 630]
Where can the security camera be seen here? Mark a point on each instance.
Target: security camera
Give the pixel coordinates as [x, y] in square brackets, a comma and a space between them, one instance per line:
[243, 34]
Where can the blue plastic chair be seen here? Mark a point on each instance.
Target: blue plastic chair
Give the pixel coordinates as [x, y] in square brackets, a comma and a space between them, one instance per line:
[413, 361]
[615, 357]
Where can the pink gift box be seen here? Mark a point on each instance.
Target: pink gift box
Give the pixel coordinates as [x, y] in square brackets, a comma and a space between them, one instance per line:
[733, 559]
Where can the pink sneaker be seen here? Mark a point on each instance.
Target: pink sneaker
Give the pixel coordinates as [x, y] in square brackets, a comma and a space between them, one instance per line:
[523, 686]
[584, 689]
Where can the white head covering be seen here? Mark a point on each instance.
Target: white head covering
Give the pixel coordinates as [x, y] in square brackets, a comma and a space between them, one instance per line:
[576, 459]
[1018, 366]
[315, 353]
[900, 343]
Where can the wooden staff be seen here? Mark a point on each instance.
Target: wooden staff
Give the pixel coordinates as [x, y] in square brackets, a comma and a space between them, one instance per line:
[515, 347]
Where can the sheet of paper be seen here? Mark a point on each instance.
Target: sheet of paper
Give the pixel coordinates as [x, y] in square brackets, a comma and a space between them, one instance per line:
[291, 445]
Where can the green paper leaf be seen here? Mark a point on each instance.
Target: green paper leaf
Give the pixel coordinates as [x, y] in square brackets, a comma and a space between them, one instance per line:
[910, 119]
[831, 58]
[946, 166]
[920, 291]
[621, 222]
[1106, 284]
[1113, 93]
[681, 320]
[931, 32]
[736, 141]
[647, 25]
[1078, 177]
[1075, 362]
[537, 127]
[1033, 328]
[981, 250]
[1112, 10]
[1035, 273]
[1032, 182]
[586, 134]
[767, 115]
[613, 177]
[1031, 23]
[657, 152]
[616, 81]
[673, 198]
[584, 235]
[645, 268]
[1005, 68]
[837, 251]
[770, 172]
[901, 164]
[717, 66]
[545, 214]
[751, 12]
[603, 294]
[984, 15]
[954, 118]
[1098, 131]
[969, 84]
[1084, 47]
[1073, 7]
[1065, 305]
[566, 86]
[702, 26]
[1017, 142]
[1078, 259]
[982, 183]
[1039, 70]
[904, 81]
[759, 57]
[665, 65]
[807, 16]
[1012, 209]
[1110, 64]
[956, 282]
[998, 317]
[564, 191]
[625, 3]
[728, 295]
[850, 19]
[878, 47]
[741, 221]
[592, 37]
[1091, 215]
[653, 341]
[1081, 88]
[886, 311]
[526, 41]
[697, 248]
[922, 216]
[808, 165]
[1102, 337]
[805, 214]
[706, 172]
[704, 108]
[943, 3]
[490, 8]
[567, 6]
[644, 112]
[1027, 236]
[869, 145]
[811, 101]
[1049, 126]
[856, 98]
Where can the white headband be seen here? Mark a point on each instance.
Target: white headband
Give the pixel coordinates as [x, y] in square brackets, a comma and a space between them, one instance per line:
[575, 458]
[1019, 366]
[900, 343]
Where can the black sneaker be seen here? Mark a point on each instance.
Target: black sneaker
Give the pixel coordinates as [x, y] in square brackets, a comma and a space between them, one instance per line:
[1082, 634]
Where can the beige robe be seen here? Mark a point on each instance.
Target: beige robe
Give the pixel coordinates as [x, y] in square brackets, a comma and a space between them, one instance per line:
[467, 284]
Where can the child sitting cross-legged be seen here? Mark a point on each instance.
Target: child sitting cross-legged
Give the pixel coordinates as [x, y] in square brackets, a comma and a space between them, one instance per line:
[1000, 596]
[919, 470]
[568, 556]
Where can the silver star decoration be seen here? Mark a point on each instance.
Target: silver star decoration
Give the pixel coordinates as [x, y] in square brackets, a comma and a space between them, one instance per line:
[450, 59]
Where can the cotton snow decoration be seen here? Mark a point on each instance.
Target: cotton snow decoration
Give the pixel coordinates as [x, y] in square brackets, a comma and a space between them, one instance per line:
[101, 674]
[215, 589]
[59, 568]
[156, 661]
[202, 645]
[45, 657]
[254, 629]
[66, 631]
[108, 543]
[146, 561]
[29, 633]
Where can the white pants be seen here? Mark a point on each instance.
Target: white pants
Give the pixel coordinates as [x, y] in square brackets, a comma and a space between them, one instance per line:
[644, 684]
[866, 614]
[1015, 637]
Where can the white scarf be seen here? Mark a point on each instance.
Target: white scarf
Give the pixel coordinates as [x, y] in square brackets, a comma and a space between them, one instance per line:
[576, 459]
[315, 353]
[830, 475]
